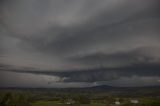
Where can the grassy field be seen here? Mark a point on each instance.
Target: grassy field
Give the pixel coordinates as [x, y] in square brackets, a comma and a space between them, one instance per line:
[79, 97]
[48, 103]
[58, 103]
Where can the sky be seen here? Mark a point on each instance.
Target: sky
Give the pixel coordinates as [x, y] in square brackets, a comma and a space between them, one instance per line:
[79, 43]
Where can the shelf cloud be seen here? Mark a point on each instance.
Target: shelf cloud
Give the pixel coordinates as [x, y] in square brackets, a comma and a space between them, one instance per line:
[79, 42]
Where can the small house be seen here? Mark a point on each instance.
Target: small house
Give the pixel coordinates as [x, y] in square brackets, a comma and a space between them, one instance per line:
[134, 101]
[117, 103]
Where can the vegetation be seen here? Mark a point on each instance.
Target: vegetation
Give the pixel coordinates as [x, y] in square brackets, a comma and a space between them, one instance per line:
[78, 97]
[15, 99]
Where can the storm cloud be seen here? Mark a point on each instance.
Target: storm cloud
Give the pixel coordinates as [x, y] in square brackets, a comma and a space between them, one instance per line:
[80, 42]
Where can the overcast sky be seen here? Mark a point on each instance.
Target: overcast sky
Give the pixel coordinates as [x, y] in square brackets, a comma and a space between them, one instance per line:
[79, 43]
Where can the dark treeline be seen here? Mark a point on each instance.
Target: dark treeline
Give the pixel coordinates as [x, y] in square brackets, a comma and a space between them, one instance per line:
[15, 99]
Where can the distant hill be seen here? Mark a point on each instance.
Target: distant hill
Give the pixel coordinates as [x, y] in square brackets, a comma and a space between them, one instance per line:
[149, 91]
[94, 88]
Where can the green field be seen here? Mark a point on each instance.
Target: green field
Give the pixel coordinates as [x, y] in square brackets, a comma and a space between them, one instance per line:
[79, 97]
[58, 103]
[48, 103]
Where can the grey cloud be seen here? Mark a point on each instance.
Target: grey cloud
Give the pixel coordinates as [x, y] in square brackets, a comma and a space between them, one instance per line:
[96, 74]
[119, 59]
[80, 41]
[135, 80]
[90, 39]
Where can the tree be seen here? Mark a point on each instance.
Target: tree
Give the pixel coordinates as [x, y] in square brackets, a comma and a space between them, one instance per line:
[83, 99]
[15, 99]
[5, 99]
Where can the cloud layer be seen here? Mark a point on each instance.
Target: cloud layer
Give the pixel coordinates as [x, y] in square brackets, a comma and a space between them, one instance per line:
[80, 41]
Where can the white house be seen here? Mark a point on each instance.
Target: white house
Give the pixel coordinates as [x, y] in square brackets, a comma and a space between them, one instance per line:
[70, 101]
[134, 101]
[117, 103]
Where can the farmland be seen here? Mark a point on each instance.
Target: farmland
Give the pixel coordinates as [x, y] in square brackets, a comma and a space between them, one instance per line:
[101, 96]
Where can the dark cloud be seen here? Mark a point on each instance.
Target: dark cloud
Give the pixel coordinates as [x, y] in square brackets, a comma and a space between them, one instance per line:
[136, 56]
[97, 74]
[80, 41]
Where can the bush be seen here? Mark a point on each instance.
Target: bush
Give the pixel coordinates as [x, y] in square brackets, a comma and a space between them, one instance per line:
[83, 100]
[15, 99]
